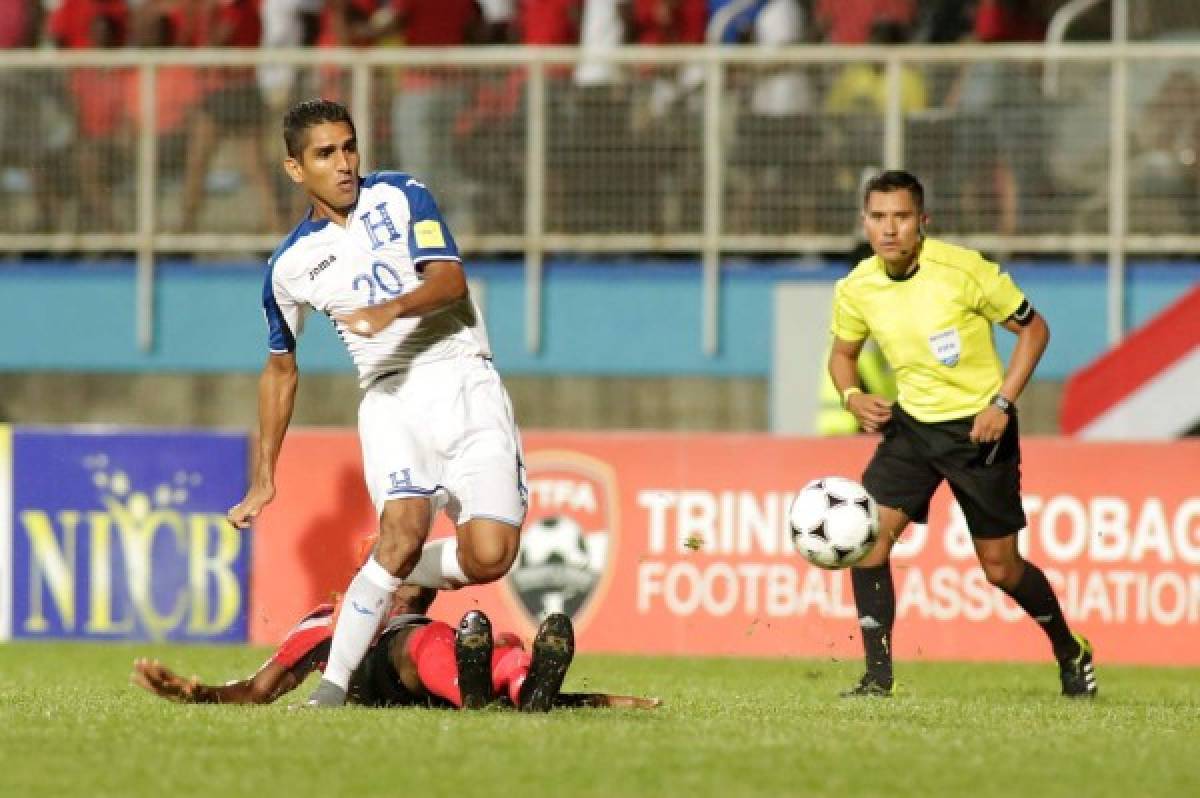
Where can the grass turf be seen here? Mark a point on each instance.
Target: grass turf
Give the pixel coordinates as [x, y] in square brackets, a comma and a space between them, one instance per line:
[70, 724]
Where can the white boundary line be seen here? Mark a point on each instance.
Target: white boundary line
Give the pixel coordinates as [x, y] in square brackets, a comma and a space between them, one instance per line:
[6, 548]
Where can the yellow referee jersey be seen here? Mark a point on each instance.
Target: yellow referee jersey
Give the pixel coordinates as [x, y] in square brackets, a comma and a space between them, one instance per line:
[934, 326]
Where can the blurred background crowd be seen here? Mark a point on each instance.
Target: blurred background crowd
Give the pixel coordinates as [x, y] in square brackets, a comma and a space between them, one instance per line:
[1005, 147]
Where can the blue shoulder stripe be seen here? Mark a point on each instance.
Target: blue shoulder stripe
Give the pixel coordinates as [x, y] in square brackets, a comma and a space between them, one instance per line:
[429, 235]
[280, 337]
[394, 179]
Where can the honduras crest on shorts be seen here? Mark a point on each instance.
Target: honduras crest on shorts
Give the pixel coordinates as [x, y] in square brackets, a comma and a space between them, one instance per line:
[569, 538]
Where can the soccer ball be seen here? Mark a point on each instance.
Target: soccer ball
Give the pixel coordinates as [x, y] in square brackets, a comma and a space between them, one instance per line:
[834, 522]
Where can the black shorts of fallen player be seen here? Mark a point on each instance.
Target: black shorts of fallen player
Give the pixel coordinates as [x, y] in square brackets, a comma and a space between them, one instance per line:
[375, 682]
[914, 457]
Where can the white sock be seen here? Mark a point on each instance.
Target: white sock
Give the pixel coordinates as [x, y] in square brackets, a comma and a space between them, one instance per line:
[364, 607]
[438, 567]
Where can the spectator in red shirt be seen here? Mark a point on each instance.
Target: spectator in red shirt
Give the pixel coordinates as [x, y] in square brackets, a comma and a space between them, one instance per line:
[19, 23]
[1009, 21]
[489, 128]
[425, 102]
[232, 108]
[669, 21]
[548, 23]
[437, 23]
[488, 146]
[178, 88]
[347, 23]
[97, 96]
[851, 21]
[78, 24]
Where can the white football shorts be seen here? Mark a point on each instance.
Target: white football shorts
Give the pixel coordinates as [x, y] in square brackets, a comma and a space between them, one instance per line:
[444, 430]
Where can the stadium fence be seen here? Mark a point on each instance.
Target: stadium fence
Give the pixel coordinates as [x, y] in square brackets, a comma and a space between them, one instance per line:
[1080, 149]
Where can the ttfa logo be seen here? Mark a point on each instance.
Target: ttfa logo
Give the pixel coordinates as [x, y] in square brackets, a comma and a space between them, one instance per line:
[570, 538]
[141, 565]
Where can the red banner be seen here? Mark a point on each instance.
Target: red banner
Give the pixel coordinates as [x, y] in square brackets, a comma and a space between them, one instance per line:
[678, 544]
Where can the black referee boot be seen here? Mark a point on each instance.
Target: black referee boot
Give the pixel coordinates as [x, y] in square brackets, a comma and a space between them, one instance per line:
[473, 653]
[553, 650]
[1078, 674]
[869, 686]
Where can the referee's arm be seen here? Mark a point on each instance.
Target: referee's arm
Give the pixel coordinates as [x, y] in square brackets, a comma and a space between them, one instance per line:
[871, 411]
[1033, 334]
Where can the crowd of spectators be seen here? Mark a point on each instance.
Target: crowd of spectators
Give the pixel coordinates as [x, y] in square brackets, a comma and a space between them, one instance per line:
[624, 152]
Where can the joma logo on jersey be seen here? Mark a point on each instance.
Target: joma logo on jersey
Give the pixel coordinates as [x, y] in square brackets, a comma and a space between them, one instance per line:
[567, 546]
[322, 266]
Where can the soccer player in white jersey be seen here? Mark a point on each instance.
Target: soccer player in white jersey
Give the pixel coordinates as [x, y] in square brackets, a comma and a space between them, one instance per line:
[435, 422]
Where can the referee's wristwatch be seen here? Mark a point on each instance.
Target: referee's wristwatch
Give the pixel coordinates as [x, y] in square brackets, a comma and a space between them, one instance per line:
[1002, 403]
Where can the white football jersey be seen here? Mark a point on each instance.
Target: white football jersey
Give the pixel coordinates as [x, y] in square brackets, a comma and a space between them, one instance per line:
[394, 228]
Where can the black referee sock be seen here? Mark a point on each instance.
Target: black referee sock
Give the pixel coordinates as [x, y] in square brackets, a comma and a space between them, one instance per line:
[1034, 594]
[875, 598]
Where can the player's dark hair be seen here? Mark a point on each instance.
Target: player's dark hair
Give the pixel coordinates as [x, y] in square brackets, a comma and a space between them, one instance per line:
[310, 113]
[896, 180]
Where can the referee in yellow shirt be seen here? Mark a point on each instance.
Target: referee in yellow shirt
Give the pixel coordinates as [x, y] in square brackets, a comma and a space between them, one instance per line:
[930, 306]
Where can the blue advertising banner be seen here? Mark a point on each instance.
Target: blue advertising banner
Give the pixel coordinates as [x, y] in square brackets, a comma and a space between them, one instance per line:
[122, 535]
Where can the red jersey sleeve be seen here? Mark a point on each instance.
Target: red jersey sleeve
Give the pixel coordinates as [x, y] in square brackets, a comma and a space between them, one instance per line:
[316, 628]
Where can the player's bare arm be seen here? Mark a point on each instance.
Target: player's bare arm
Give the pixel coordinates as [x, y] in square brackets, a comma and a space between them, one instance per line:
[276, 400]
[271, 681]
[871, 411]
[1033, 334]
[443, 283]
[606, 701]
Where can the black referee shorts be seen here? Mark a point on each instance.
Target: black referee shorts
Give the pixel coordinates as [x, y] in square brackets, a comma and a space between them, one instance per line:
[914, 457]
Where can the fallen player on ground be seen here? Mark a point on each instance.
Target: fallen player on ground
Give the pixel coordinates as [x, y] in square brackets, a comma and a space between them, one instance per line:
[415, 661]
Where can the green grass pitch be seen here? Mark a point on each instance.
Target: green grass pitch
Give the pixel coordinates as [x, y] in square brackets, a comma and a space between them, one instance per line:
[71, 725]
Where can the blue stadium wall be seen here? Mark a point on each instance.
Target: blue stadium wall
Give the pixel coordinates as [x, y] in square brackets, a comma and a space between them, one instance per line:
[625, 317]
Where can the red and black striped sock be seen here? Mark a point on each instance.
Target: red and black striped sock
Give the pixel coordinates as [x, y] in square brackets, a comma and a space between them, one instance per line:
[432, 651]
[510, 666]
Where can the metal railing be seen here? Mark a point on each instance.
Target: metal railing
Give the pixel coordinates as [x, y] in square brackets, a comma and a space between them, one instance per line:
[686, 151]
